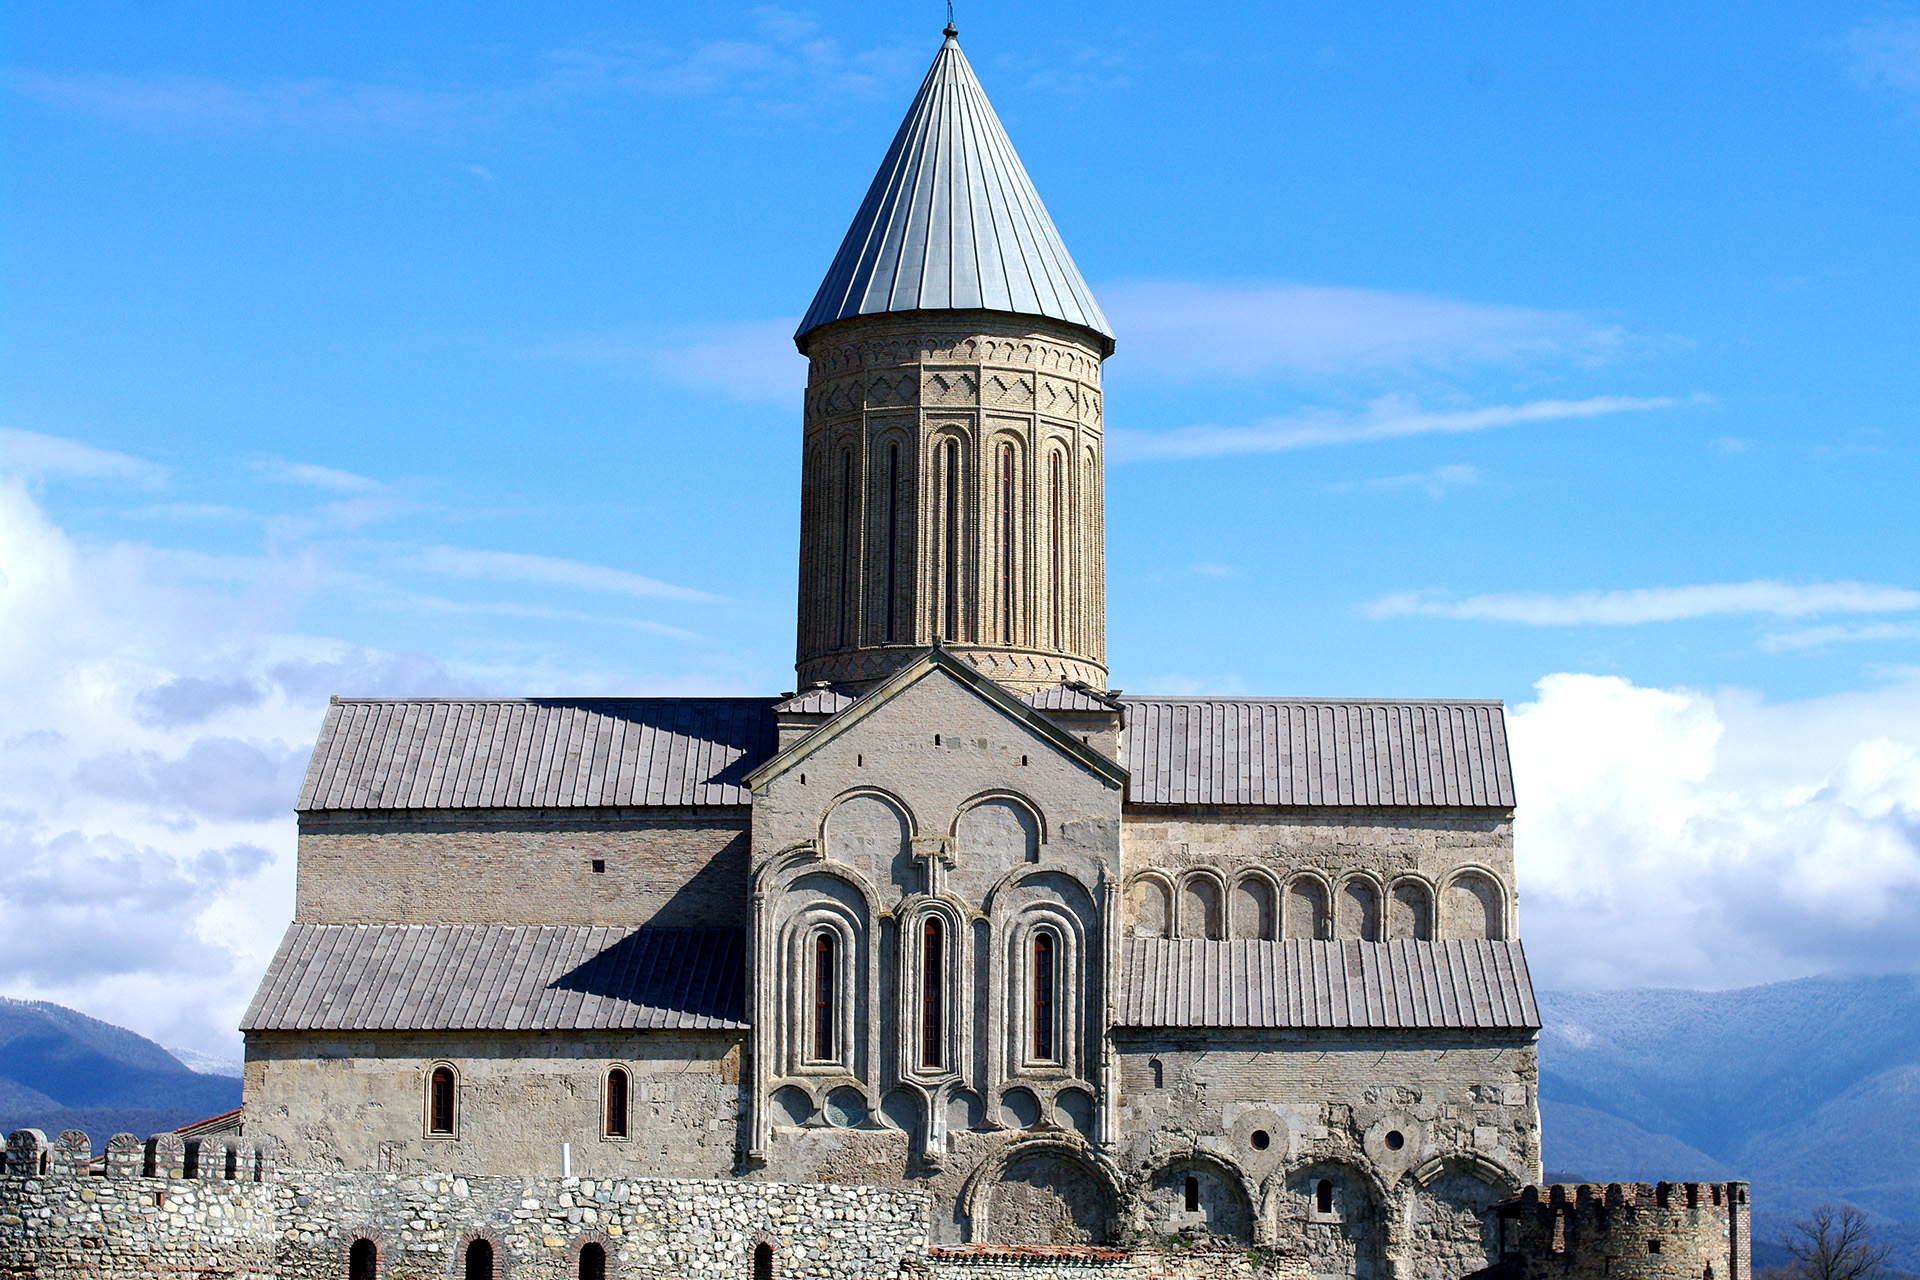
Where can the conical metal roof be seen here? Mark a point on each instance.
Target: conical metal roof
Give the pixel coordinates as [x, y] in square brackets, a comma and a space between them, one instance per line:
[952, 221]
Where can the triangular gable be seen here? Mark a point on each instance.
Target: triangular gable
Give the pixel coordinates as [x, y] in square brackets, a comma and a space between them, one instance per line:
[987, 690]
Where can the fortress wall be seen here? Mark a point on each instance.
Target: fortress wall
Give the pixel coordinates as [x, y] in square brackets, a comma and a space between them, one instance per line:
[1425, 850]
[1198, 1261]
[1630, 1231]
[664, 867]
[357, 1100]
[1329, 1104]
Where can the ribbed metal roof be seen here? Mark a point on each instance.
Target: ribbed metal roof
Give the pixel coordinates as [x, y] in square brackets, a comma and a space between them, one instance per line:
[952, 221]
[1271, 751]
[1167, 982]
[475, 753]
[816, 702]
[488, 977]
[1066, 697]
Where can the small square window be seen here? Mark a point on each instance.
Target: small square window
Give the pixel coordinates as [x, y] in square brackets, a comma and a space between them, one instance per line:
[599, 866]
[1653, 1246]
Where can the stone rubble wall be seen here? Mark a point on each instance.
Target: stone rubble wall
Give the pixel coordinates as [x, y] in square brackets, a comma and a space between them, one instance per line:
[1629, 1231]
[1192, 1262]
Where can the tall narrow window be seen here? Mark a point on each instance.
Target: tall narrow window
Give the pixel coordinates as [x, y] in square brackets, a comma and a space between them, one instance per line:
[1193, 1194]
[846, 547]
[823, 998]
[617, 1090]
[1323, 1196]
[893, 531]
[1056, 534]
[953, 540]
[1006, 544]
[440, 1101]
[763, 1262]
[593, 1261]
[480, 1260]
[363, 1260]
[932, 1030]
[1043, 996]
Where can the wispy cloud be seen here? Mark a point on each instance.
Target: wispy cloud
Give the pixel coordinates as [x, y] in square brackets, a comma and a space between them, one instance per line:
[314, 477]
[1434, 483]
[1656, 604]
[1185, 330]
[1839, 633]
[28, 453]
[510, 566]
[751, 360]
[1388, 418]
[1884, 52]
[200, 104]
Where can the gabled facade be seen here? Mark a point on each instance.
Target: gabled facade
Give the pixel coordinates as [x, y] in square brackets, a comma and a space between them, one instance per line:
[953, 916]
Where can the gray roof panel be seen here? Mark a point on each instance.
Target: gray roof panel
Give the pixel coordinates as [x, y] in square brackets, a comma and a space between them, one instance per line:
[1286, 752]
[400, 977]
[952, 222]
[1296, 983]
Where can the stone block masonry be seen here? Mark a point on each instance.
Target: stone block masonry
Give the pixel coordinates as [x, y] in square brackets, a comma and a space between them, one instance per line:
[1630, 1231]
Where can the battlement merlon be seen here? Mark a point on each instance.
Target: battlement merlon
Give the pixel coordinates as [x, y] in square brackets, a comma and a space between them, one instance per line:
[1627, 1231]
[224, 1158]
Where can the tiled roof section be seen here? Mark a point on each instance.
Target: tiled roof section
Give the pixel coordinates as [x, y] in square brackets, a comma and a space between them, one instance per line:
[815, 702]
[1168, 982]
[562, 753]
[1066, 697]
[952, 222]
[497, 977]
[1284, 751]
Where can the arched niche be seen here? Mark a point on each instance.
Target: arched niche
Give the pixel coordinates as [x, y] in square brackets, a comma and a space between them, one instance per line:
[1040, 1192]
[1150, 907]
[1307, 908]
[1216, 1191]
[1474, 907]
[1254, 909]
[1200, 907]
[996, 834]
[1410, 911]
[1330, 1212]
[1450, 1212]
[1358, 910]
[873, 834]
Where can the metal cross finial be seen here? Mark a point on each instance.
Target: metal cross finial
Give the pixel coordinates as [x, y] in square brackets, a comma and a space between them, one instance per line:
[951, 30]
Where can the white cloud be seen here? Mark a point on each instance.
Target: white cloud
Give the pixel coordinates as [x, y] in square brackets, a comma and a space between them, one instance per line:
[1670, 837]
[201, 104]
[315, 477]
[509, 566]
[1388, 418]
[1182, 330]
[1839, 633]
[1657, 604]
[1434, 483]
[30, 454]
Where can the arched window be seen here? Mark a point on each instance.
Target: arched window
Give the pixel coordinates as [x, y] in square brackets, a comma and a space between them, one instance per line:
[1006, 544]
[893, 533]
[593, 1261]
[1193, 1194]
[932, 976]
[950, 587]
[617, 1093]
[479, 1265]
[1323, 1196]
[763, 1261]
[363, 1260]
[823, 975]
[847, 576]
[1056, 536]
[440, 1099]
[1043, 950]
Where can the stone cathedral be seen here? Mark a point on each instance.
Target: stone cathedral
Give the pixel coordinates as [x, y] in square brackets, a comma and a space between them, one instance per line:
[954, 914]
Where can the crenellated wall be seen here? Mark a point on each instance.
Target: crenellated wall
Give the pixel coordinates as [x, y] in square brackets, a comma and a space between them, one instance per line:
[1627, 1231]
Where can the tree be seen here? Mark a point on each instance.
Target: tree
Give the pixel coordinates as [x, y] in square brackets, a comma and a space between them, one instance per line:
[1834, 1242]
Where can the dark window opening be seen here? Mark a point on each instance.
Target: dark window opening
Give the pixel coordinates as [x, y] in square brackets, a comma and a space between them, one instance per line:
[846, 547]
[1006, 544]
[1323, 1196]
[953, 540]
[363, 1260]
[1395, 1140]
[480, 1260]
[1653, 1246]
[763, 1262]
[593, 1261]
[893, 531]
[823, 998]
[1193, 1194]
[1159, 1073]
[617, 1091]
[1054, 547]
[599, 866]
[1260, 1139]
[932, 1031]
[440, 1101]
[1043, 996]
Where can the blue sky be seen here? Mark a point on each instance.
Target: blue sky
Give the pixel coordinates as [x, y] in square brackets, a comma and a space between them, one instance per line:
[439, 348]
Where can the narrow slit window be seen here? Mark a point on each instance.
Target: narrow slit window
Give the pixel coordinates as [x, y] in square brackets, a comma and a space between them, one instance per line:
[932, 975]
[618, 1091]
[363, 1260]
[1006, 544]
[1323, 1196]
[440, 1101]
[1043, 996]
[893, 533]
[1193, 1194]
[1055, 553]
[846, 547]
[823, 998]
[952, 529]
[593, 1261]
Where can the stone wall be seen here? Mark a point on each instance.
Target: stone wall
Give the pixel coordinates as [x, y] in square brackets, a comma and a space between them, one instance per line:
[1631, 1231]
[1195, 1261]
[357, 1100]
[1228, 873]
[661, 867]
